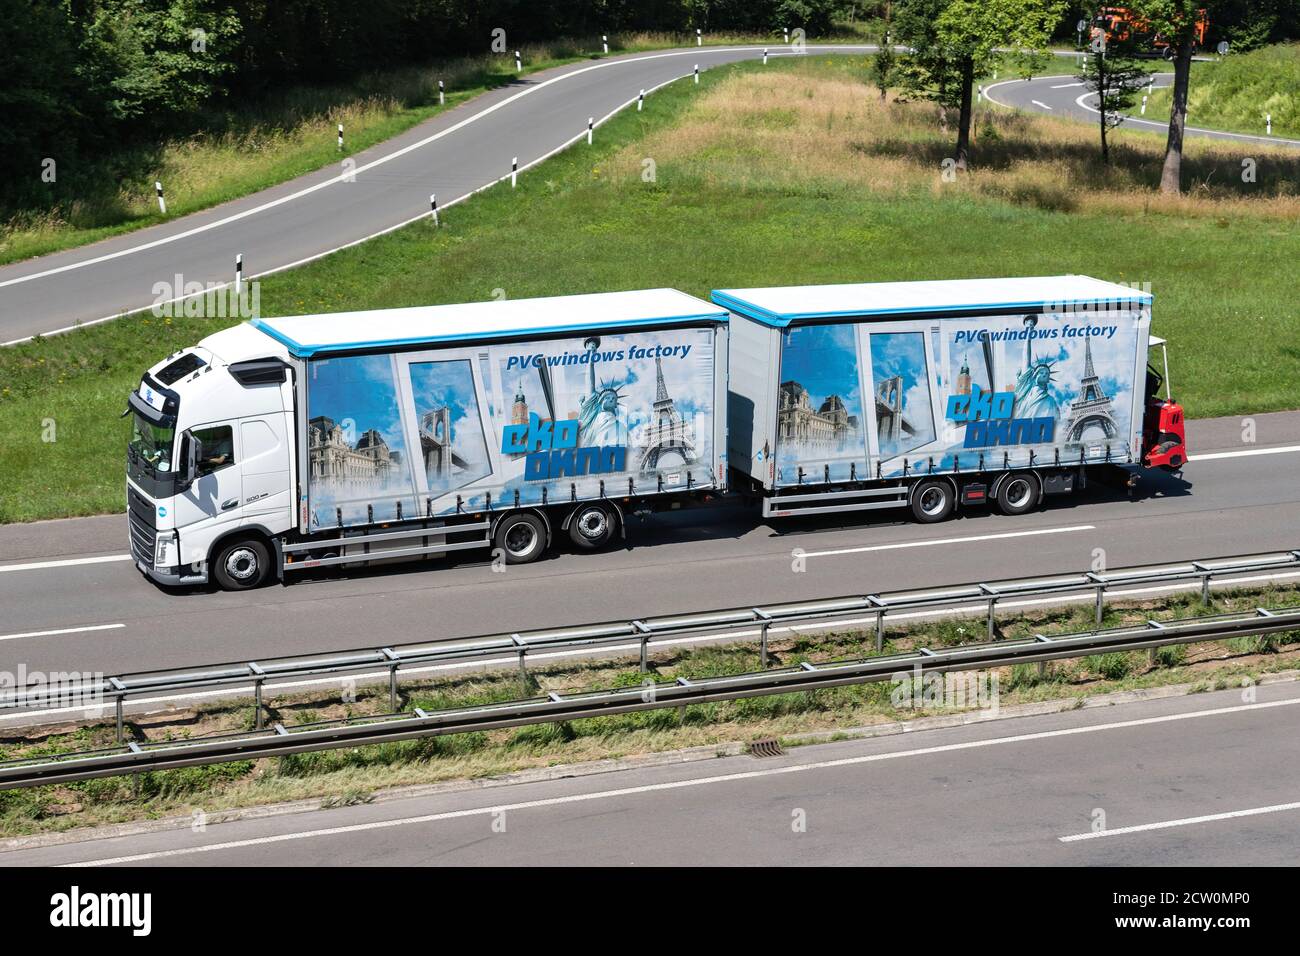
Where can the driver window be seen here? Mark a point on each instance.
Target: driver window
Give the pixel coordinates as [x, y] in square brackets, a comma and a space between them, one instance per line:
[216, 448]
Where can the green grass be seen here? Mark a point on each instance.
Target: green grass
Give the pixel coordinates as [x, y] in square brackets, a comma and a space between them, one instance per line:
[1235, 93]
[750, 191]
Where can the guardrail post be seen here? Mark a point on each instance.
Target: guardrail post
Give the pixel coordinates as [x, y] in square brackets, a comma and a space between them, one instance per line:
[641, 627]
[394, 661]
[762, 639]
[1101, 603]
[118, 686]
[880, 621]
[523, 669]
[993, 603]
[259, 675]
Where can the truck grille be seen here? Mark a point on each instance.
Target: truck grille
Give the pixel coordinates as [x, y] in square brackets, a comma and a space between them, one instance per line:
[140, 520]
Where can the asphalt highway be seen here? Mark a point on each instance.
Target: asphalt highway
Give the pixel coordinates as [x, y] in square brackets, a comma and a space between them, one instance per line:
[72, 601]
[1204, 779]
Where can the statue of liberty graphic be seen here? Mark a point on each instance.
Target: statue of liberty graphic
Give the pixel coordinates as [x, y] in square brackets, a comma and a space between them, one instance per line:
[1034, 385]
[602, 419]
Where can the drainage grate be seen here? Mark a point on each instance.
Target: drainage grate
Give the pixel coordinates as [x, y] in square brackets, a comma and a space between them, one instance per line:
[767, 747]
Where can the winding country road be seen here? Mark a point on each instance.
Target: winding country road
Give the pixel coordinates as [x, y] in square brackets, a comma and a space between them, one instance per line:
[454, 154]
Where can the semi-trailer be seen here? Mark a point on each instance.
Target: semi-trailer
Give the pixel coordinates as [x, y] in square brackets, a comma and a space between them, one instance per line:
[351, 439]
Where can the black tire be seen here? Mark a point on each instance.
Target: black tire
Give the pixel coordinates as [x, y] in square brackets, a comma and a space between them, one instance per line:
[242, 564]
[933, 501]
[1018, 493]
[521, 537]
[591, 527]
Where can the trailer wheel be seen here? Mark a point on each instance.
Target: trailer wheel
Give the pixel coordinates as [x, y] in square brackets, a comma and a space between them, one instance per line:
[1018, 493]
[521, 537]
[932, 501]
[242, 564]
[591, 527]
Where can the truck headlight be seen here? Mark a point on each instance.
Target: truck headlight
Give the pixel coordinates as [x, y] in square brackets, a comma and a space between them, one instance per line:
[166, 550]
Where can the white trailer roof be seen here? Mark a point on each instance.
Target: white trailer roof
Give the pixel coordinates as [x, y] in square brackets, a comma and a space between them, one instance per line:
[308, 335]
[783, 305]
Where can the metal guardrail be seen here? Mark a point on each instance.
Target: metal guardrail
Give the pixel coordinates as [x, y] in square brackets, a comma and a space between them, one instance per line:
[732, 624]
[279, 740]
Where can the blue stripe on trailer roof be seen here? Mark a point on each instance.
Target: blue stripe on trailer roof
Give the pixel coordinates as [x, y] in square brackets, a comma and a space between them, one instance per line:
[782, 306]
[309, 335]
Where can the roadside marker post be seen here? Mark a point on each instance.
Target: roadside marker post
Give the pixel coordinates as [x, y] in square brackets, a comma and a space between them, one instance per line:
[162, 203]
[697, 74]
[1268, 123]
[699, 37]
[442, 94]
[514, 172]
[519, 64]
[433, 207]
[239, 274]
[1144, 105]
[786, 30]
[979, 96]
[640, 101]
[765, 56]
[604, 40]
[340, 135]
[591, 122]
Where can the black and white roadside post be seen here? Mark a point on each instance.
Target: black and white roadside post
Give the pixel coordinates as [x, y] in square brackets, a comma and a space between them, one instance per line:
[162, 203]
[1268, 123]
[239, 275]
[519, 64]
[604, 42]
[1144, 105]
[786, 31]
[514, 172]
[699, 37]
[697, 74]
[340, 135]
[591, 124]
[433, 207]
[765, 56]
[442, 94]
[640, 101]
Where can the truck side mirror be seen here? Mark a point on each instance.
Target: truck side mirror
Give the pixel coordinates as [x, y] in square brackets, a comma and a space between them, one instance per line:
[193, 453]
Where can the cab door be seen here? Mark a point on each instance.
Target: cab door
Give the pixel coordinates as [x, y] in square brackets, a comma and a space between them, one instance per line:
[213, 499]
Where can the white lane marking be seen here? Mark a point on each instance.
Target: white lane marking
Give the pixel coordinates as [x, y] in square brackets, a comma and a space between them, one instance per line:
[1041, 103]
[1185, 822]
[341, 177]
[62, 630]
[613, 649]
[63, 563]
[1245, 453]
[685, 784]
[1217, 133]
[937, 541]
[1065, 86]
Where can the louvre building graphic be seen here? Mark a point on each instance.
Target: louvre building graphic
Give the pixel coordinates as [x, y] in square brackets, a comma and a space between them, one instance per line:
[367, 466]
[817, 433]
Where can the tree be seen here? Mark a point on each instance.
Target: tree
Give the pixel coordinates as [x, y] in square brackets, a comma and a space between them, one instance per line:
[1112, 71]
[1178, 22]
[882, 65]
[953, 41]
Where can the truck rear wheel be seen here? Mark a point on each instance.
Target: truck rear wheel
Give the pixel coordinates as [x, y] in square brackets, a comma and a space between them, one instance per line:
[591, 527]
[1018, 493]
[932, 501]
[521, 537]
[242, 564]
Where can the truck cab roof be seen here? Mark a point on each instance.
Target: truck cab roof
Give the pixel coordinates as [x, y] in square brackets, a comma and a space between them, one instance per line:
[306, 336]
[786, 305]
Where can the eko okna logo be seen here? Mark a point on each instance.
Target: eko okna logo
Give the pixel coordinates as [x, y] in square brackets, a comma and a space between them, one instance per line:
[989, 421]
[552, 450]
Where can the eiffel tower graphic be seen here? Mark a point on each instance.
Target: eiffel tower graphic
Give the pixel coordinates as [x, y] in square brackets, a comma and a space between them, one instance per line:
[1092, 408]
[666, 440]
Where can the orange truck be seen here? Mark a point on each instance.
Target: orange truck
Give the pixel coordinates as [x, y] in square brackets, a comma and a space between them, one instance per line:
[1119, 24]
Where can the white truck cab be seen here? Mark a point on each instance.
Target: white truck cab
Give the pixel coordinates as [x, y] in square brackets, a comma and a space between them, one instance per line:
[207, 497]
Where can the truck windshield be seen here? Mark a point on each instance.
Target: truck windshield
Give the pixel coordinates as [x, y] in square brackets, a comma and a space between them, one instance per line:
[151, 444]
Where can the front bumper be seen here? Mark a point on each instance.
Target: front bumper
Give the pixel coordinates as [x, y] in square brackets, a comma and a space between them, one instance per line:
[172, 576]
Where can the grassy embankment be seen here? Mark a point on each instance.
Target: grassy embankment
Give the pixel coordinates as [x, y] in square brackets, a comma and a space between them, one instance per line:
[344, 776]
[793, 173]
[287, 134]
[1236, 92]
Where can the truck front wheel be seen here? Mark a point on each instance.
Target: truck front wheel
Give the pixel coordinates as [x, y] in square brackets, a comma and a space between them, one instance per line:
[591, 527]
[242, 564]
[521, 537]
